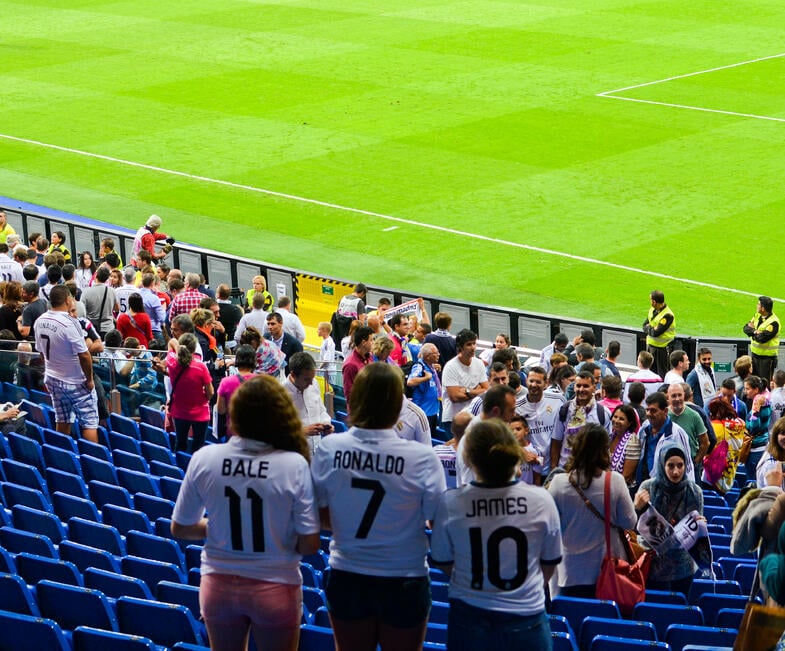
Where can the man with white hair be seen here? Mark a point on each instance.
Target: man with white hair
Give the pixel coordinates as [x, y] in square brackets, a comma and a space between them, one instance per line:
[147, 236]
[189, 298]
[424, 384]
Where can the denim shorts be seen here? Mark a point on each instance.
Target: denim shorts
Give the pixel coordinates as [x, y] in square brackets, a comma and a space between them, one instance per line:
[400, 602]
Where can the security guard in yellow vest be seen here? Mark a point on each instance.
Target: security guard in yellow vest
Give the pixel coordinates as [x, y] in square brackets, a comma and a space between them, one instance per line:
[660, 330]
[763, 330]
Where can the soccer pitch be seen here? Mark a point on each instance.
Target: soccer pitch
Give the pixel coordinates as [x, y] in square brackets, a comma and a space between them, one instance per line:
[558, 156]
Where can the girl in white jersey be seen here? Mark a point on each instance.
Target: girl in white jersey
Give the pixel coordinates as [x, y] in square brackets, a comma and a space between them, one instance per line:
[258, 492]
[501, 541]
[375, 491]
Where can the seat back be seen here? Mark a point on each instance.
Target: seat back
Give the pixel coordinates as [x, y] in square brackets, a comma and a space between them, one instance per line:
[184, 595]
[711, 604]
[124, 443]
[24, 475]
[94, 469]
[94, 534]
[165, 624]
[17, 494]
[576, 609]
[124, 425]
[611, 643]
[33, 568]
[69, 506]
[40, 522]
[150, 571]
[630, 629]
[26, 450]
[130, 461]
[84, 557]
[16, 597]
[702, 586]
[138, 482]
[93, 639]
[102, 493]
[153, 452]
[146, 545]
[65, 482]
[153, 507]
[17, 540]
[680, 635]
[32, 633]
[116, 585]
[663, 615]
[72, 606]
[62, 459]
[125, 520]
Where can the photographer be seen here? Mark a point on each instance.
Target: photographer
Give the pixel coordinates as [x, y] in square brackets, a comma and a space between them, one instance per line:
[147, 236]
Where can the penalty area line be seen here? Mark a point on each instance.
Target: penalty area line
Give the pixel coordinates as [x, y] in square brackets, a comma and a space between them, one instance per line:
[370, 213]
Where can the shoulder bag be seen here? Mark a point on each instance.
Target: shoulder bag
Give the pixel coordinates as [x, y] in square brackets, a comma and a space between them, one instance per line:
[619, 580]
[761, 626]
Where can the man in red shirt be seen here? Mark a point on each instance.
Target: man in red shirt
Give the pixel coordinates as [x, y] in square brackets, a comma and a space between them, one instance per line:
[359, 357]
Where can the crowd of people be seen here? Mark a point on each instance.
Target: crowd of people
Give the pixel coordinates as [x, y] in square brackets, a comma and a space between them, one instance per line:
[530, 449]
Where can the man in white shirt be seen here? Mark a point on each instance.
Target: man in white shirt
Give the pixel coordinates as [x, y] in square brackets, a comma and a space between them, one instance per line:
[644, 375]
[69, 367]
[291, 322]
[307, 398]
[463, 377]
[680, 364]
[126, 289]
[540, 412]
[256, 318]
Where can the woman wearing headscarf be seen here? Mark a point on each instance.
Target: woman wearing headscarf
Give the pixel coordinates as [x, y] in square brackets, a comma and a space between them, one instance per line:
[673, 493]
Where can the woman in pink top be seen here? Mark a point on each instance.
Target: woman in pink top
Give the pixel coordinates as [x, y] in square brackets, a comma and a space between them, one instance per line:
[192, 388]
[245, 363]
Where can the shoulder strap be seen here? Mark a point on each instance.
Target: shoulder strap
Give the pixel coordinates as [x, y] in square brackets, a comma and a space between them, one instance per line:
[174, 385]
[600, 414]
[608, 513]
[563, 414]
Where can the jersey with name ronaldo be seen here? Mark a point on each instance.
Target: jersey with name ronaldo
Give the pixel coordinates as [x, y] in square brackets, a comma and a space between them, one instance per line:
[258, 500]
[380, 490]
[497, 537]
[59, 338]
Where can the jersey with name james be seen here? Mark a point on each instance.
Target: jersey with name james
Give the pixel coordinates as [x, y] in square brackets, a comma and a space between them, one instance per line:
[258, 500]
[380, 490]
[497, 537]
[58, 336]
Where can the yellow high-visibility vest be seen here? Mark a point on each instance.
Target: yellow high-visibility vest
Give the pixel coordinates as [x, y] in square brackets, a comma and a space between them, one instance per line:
[770, 347]
[666, 337]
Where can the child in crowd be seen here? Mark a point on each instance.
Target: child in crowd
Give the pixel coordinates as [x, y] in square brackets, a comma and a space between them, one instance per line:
[531, 466]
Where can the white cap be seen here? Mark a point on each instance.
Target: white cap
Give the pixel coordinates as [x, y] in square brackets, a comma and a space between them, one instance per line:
[154, 221]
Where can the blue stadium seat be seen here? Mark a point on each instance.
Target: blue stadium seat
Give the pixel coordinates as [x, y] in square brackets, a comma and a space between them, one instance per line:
[170, 488]
[321, 618]
[726, 522]
[93, 534]
[58, 440]
[7, 562]
[139, 482]
[65, 482]
[159, 469]
[439, 612]
[680, 635]
[38, 522]
[150, 416]
[560, 624]
[576, 610]
[155, 435]
[630, 629]
[153, 452]
[663, 615]
[24, 474]
[610, 643]
[439, 591]
[84, 557]
[72, 606]
[184, 595]
[154, 507]
[713, 499]
[711, 604]
[93, 639]
[26, 450]
[194, 577]
[313, 598]
[183, 459]
[115, 585]
[95, 450]
[563, 641]
[744, 575]
[40, 397]
[165, 624]
[38, 414]
[311, 577]
[11, 494]
[124, 425]
[102, 493]
[156, 548]
[729, 618]
[664, 597]
[34, 633]
[17, 541]
[130, 461]
[34, 431]
[151, 572]
[33, 568]
[69, 506]
[94, 469]
[436, 633]
[61, 459]
[125, 520]
[124, 443]
[701, 586]
[319, 561]
[193, 556]
[16, 597]
[710, 511]
[339, 426]
[14, 393]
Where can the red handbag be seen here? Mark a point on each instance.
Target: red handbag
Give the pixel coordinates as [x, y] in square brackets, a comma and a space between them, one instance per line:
[621, 581]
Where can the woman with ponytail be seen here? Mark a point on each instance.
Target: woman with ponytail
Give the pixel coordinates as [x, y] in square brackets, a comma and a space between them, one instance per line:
[500, 541]
[192, 388]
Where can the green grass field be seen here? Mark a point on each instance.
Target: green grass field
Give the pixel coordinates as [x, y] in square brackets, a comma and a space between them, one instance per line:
[475, 116]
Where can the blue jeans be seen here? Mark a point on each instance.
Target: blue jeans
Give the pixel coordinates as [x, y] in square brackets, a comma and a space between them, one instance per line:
[476, 629]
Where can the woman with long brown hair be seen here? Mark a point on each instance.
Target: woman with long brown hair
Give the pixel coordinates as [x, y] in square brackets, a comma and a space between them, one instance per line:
[257, 492]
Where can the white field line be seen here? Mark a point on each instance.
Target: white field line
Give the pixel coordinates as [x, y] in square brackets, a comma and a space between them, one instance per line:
[370, 213]
[611, 94]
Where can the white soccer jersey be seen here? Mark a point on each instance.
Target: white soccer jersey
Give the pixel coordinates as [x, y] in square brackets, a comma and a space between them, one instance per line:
[59, 338]
[380, 490]
[413, 424]
[11, 270]
[121, 294]
[541, 417]
[446, 455]
[258, 501]
[456, 374]
[497, 537]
